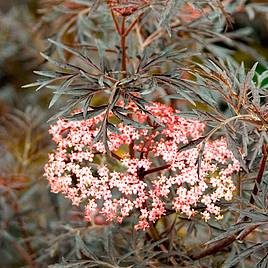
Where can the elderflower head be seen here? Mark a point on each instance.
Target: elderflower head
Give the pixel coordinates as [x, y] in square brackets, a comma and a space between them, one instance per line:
[151, 178]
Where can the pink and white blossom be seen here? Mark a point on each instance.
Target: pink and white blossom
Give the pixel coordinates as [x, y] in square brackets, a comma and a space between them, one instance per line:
[133, 185]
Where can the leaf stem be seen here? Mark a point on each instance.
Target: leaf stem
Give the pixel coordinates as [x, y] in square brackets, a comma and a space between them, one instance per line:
[123, 47]
[115, 22]
[155, 170]
[260, 173]
[131, 26]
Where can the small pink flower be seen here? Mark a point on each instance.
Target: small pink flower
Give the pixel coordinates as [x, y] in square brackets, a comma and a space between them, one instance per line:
[132, 186]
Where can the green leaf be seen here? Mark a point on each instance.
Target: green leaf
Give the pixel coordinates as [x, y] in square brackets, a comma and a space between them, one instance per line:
[89, 114]
[61, 90]
[113, 128]
[126, 120]
[247, 252]
[76, 53]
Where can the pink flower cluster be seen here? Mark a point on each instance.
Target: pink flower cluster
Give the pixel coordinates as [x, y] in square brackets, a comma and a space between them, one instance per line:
[150, 175]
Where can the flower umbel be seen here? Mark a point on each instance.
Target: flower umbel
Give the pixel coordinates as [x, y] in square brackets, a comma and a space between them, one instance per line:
[126, 7]
[151, 178]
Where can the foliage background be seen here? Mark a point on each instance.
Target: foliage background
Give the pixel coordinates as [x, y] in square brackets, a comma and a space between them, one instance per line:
[38, 228]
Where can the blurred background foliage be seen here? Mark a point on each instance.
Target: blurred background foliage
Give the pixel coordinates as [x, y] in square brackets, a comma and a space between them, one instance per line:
[38, 228]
